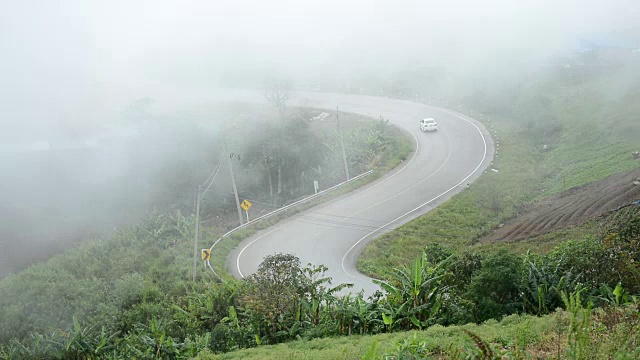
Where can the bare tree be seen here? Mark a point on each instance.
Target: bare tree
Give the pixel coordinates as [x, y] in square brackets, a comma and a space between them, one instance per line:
[493, 198]
[277, 93]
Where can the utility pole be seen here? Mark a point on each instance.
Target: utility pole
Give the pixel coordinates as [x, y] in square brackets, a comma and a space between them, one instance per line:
[344, 155]
[235, 189]
[233, 180]
[195, 243]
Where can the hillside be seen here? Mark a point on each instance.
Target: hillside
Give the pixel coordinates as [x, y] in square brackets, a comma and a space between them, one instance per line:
[119, 292]
[572, 207]
[221, 180]
[519, 337]
[558, 205]
[132, 296]
[590, 129]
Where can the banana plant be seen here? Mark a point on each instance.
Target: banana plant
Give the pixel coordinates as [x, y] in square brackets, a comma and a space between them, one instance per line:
[418, 290]
[388, 321]
[433, 311]
[317, 295]
[543, 283]
[83, 341]
[367, 315]
[346, 314]
[232, 318]
[615, 297]
[158, 342]
[393, 316]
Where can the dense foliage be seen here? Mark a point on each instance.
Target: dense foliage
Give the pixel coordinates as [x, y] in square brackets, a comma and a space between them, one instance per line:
[287, 156]
[139, 302]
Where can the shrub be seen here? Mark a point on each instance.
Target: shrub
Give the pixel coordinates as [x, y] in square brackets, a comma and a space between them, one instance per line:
[495, 289]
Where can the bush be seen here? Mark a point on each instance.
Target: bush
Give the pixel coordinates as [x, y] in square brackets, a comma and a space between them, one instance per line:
[495, 289]
[225, 338]
[589, 260]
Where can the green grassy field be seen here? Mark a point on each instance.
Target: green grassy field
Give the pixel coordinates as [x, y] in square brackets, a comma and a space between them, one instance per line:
[595, 141]
[460, 221]
[514, 337]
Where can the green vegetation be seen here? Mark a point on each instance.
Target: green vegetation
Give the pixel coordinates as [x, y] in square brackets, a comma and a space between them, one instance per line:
[547, 242]
[139, 301]
[589, 137]
[376, 145]
[459, 222]
[133, 293]
[132, 297]
[517, 336]
[286, 156]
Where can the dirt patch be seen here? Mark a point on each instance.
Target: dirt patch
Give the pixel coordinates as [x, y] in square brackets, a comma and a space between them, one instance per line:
[570, 208]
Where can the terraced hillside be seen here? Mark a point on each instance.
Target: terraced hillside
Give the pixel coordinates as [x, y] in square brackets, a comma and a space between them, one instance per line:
[571, 207]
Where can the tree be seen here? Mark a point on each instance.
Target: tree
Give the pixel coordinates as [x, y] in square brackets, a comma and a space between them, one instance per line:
[495, 289]
[493, 198]
[263, 155]
[283, 155]
[277, 93]
[272, 294]
[591, 262]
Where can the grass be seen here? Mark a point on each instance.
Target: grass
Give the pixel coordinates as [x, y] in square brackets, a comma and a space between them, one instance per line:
[613, 331]
[463, 219]
[150, 259]
[591, 147]
[545, 243]
[90, 279]
[436, 339]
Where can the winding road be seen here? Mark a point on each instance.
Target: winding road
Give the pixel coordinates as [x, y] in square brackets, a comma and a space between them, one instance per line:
[335, 233]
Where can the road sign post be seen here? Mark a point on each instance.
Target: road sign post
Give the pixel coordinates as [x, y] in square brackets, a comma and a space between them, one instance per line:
[245, 205]
[315, 186]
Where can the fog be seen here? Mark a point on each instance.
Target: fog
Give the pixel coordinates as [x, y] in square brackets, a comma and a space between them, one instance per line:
[75, 76]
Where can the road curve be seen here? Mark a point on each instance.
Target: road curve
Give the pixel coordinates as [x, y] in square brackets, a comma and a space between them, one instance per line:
[335, 233]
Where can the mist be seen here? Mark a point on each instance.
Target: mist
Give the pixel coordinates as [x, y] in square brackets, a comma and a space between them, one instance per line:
[87, 85]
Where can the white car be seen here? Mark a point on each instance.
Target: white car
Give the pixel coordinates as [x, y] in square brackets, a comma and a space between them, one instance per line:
[428, 124]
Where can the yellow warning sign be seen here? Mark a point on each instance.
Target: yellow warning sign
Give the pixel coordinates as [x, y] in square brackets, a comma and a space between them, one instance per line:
[206, 254]
[246, 204]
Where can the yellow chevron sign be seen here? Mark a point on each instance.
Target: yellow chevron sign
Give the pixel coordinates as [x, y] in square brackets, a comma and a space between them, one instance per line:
[246, 204]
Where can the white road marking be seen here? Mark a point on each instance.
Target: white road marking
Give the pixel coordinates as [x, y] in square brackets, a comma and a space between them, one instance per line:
[484, 156]
[446, 160]
[396, 195]
[329, 204]
[381, 182]
[249, 244]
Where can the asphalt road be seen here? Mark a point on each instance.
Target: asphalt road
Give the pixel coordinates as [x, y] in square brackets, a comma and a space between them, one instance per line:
[335, 233]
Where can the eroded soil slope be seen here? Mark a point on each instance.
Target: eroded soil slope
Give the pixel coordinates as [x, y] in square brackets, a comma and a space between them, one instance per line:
[571, 207]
